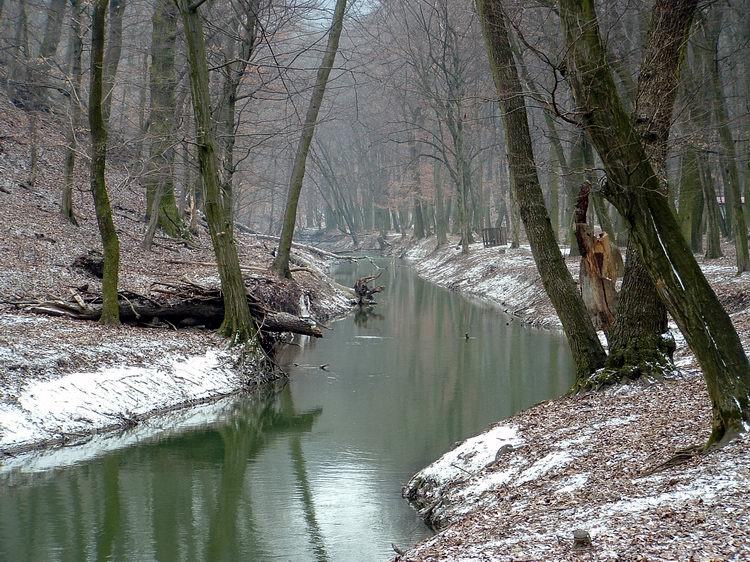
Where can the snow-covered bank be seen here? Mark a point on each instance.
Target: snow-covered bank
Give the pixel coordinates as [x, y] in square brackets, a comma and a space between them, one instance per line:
[63, 380]
[503, 276]
[518, 491]
[67, 408]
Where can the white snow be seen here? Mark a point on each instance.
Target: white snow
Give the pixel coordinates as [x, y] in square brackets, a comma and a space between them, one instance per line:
[551, 461]
[471, 455]
[84, 402]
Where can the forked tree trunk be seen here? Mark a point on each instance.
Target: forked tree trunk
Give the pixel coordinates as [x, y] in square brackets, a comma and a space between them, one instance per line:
[633, 187]
[238, 324]
[558, 283]
[110, 242]
[638, 346]
[281, 262]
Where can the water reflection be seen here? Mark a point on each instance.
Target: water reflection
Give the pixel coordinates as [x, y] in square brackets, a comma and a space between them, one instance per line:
[184, 498]
[312, 472]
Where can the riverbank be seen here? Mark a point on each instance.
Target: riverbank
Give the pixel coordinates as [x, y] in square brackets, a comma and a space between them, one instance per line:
[63, 380]
[519, 490]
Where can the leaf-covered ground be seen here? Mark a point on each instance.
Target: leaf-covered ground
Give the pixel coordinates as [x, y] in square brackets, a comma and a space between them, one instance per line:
[518, 491]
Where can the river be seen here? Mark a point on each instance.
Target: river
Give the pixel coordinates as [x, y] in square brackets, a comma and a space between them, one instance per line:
[311, 471]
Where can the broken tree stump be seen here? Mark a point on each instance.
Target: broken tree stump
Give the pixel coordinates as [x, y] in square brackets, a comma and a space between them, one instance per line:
[365, 293]
[599, 271]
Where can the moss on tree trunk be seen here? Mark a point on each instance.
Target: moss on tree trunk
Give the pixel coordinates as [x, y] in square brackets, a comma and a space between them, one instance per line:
[558, 283]
[633, 187]
[110, 242]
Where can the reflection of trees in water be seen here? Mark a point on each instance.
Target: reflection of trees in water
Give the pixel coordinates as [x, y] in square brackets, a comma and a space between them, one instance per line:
[193, 486]
[363, 314]
[242, 440]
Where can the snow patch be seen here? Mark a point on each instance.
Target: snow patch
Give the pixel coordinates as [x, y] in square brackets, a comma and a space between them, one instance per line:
[471, 455]
[84, 402]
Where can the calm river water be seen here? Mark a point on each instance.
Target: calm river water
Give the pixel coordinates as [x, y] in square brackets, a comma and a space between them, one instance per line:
[312, 472]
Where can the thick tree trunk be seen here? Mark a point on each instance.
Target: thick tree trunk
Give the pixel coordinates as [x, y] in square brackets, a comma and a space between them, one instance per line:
[558, 283]
[634, 188]
[281, 262]
[159, 177]
[237, 325]
[97, 124]
[637, 345]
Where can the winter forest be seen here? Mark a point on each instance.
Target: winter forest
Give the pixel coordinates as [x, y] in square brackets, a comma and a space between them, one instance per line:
[374, 279]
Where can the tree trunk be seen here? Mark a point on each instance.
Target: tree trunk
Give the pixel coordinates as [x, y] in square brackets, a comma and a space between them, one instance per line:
[281, 262]
[237, 324]
[233, 74]
[634, 188]
[732, 188]
[75, 78]
[691, 201]
[637, 344]
[110, 242]
[159, 177]
[441, 220]
[558, 283]
[47, 50]
[112, 56]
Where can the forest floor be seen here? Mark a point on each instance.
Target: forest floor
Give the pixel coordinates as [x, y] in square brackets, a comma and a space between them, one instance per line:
[62, 380]
[584, 462]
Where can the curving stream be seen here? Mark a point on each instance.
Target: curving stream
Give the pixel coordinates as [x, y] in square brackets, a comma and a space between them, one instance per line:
[310, 472]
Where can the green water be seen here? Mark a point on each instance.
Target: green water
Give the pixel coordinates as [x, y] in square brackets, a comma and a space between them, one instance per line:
[310, 472]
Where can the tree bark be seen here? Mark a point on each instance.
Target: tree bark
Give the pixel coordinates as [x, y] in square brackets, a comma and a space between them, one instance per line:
[558, 283]
[637, 345]
[112, 56]
[732, 188]
[159, 177]
[633, 187]
[237, 324]
[97, 124]
[281, 262]
[75, 78]
[690, 212]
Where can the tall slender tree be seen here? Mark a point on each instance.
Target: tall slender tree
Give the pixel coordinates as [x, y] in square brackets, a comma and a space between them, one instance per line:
[238, 325]
[281, 262]
[558, 283]
[110, 242]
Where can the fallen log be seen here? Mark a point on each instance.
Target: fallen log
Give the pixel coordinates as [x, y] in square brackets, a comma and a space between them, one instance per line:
[180, 304]
[207, 313]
